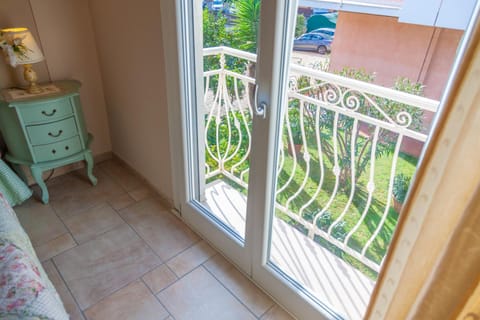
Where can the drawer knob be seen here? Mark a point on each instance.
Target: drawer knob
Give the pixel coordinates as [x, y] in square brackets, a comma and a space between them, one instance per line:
[49, 114]
[67, 147]
[54, 151]
[55, 135]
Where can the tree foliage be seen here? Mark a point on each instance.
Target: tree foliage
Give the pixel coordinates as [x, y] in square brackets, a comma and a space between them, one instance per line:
[300, 26]
[214, 30]
[247, 17]
[358, 138]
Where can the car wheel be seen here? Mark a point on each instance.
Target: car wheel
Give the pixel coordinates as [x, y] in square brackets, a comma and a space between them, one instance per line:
[322, 49]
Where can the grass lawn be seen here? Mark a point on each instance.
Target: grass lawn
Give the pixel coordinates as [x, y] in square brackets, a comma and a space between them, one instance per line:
[406, 165]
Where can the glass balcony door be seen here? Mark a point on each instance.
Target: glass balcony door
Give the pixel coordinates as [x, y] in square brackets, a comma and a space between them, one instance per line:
[292, 167]
[219, 122]
[236, 93]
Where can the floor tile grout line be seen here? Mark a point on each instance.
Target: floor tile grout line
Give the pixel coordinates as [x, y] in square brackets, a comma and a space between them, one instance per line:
[35, 248]
[113, 177]
[183, 251]
[139, 235]
[104, 232]
[166, 210]
[171, 270]
[106, 202]
[141, 238]
[190, 271]
[267, 311]
[63, 223]
[274, 303]
[230, 291]
[178, 278]
[139, 278]
[68, 288]
[155, 296]
[110, 176]
[127, 206]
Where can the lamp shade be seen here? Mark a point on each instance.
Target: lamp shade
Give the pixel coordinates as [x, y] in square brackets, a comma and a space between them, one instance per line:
[19, 46]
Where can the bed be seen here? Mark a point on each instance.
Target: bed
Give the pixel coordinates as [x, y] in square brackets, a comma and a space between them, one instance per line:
[25, 290]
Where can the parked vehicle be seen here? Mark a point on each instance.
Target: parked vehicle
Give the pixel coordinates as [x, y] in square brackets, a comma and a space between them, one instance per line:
[313, 42]
[326, 31]
[217, 5]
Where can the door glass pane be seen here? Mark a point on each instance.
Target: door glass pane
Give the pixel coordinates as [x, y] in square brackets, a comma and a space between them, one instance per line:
[229, 41]
[363, 89]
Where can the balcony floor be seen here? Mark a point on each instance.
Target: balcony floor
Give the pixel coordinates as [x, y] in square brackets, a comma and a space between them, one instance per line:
[334, 282]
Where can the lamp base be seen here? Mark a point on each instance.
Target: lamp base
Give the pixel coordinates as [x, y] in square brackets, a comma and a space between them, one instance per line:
[31, 77]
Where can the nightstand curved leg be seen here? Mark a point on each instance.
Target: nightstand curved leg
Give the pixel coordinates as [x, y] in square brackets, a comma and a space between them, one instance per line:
[89, 160]
[37, 175]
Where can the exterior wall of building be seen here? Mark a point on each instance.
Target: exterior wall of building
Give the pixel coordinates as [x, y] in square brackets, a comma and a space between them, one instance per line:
[391, 49]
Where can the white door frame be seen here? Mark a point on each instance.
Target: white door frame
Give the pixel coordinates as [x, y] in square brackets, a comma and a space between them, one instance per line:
[272, 75]
[185, 123]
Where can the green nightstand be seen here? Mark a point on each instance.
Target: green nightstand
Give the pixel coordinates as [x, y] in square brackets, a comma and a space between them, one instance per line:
[45, 131]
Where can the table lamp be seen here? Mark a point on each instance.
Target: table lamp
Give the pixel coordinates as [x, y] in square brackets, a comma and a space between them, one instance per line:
[19, 47]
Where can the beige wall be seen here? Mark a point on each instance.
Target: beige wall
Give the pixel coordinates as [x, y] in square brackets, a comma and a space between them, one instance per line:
[18, 13]
[64, 31]
[129, 42]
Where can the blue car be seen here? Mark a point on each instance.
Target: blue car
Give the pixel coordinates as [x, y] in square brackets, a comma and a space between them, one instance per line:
[313, 42]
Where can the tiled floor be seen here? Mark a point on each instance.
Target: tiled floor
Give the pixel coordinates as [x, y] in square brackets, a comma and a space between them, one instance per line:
[115, 252]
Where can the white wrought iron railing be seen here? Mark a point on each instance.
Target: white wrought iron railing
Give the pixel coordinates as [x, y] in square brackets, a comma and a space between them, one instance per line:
[329, 186]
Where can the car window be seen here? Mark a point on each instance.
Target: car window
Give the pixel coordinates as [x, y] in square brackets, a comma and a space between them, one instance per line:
[306, 37]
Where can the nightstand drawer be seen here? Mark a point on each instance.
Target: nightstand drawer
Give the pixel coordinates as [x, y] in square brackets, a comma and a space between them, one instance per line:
[52, 132]
[46, 111]
[58, 150]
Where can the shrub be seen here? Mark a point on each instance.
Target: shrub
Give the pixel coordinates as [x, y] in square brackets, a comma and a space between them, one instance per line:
[401, 183]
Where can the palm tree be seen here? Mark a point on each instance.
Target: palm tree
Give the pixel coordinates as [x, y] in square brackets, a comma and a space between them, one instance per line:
[247, 17]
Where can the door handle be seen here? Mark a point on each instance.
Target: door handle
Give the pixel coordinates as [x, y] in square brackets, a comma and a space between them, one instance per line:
[260, 107]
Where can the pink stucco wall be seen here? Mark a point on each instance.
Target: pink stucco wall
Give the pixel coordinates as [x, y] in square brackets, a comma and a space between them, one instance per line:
[391, 49]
